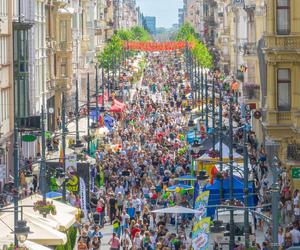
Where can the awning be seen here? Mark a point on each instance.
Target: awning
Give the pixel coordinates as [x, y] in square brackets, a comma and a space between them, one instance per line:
[41, 232]
[176, 210]
[65, 216]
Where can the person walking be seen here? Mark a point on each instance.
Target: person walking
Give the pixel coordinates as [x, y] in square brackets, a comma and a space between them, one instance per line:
[114, 242]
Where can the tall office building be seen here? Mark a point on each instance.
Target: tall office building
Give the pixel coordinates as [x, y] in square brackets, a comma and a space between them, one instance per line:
[150, 24]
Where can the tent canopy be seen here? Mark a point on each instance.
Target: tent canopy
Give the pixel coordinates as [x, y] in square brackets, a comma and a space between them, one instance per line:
[41, 232]
[238, 192]
[53, 195]
[225, 153]
[181, 186]
[186, 178]
[176, 210]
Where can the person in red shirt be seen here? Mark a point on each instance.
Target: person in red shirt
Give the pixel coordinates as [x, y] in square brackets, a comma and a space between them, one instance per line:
[135, 230]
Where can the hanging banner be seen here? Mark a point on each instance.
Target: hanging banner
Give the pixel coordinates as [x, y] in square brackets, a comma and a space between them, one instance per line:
[83, 198]
[157, 46]
[200, 234]
[71, 172]
[201, 203]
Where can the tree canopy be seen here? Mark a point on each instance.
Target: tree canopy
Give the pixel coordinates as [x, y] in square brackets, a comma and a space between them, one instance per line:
[113, 49]
[199, 51]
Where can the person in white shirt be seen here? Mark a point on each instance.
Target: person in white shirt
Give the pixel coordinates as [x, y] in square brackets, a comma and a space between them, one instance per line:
[137, 204]
[295, 235]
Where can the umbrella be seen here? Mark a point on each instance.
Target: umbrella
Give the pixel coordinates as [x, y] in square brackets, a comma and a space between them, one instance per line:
[181, 186]
[186, 178]
[177, 210]
[54, 195]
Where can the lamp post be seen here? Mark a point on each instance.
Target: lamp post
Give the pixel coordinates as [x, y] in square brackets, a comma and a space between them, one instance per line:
[103, 87]
[246, 189]
[96, 86]
[16, 166]
[202, 94]
[21, 232]
[63, 119]
[221, 136]
[213, 111]
[206, 99]
[88, 112]
[43, 159]
[275, 201]
[231, 223]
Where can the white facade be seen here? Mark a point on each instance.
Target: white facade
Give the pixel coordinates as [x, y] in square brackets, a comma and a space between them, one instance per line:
[40, 59]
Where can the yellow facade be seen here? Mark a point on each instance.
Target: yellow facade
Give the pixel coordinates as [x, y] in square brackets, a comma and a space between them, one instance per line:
[282, 44]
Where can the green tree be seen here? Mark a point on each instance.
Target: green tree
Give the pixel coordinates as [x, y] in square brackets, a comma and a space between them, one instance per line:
[200, 52]
[114, 47]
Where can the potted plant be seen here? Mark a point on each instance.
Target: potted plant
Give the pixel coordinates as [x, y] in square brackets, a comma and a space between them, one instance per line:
[44, 208]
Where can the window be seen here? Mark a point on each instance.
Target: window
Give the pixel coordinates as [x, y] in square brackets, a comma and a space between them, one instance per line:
[284, 89]
[3, 50]
[4, 105]
[63, 30]
[63, 68]
[283, 17]
[3, 7]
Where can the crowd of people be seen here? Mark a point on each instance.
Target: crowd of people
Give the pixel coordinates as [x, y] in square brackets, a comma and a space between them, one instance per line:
[150, 150]
[145, 164]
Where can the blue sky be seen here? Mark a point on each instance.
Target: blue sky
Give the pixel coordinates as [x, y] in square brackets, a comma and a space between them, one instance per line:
[165, 11]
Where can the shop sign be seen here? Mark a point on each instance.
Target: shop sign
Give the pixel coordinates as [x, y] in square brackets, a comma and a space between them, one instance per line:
[296, 173]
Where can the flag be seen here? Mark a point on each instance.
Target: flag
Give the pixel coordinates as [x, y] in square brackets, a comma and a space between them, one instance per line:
[201, 203]
[213, 172]
[101, 121]
[200, 234]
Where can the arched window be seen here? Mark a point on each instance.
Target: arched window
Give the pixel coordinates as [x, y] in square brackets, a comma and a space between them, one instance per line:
[283, 17]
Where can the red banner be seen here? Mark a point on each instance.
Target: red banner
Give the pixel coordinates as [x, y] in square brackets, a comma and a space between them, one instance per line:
[156, 46]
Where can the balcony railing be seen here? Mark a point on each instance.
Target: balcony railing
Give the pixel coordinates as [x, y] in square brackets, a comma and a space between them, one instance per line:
[293, 152]
[251, 91]
[249, 49]
[283, 42]
[64, 46]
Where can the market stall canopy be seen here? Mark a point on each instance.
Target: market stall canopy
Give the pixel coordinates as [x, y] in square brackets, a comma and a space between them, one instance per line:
[34, 246]
[186, 178]
[41, 233]
[181, 186]
[176, 210]
[238, 192]
[225, 154]
[53, 195]
[65, 216]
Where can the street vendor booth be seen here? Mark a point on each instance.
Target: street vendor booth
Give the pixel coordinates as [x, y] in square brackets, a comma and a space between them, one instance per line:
[208, 160]
[238, 192]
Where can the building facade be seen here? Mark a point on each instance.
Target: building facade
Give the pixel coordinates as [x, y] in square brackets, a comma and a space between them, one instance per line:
[282, 43]
[6, 89]
[150, 24]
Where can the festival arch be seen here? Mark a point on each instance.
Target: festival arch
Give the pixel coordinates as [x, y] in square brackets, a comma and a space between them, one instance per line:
[156, 46]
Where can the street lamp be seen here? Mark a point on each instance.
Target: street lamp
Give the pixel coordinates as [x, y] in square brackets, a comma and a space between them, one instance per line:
[21, 231]
[202, 178]
[93, 128]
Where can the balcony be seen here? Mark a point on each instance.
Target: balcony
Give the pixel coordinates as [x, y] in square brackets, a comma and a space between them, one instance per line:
[285, 43]
[249, 49]
[250, 5]
[64, 46]
[251, 91]
[60, 3]
[293, 152]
